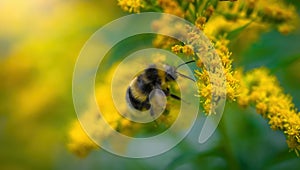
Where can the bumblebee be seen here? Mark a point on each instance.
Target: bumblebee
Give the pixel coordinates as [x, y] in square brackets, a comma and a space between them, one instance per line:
[154, 77]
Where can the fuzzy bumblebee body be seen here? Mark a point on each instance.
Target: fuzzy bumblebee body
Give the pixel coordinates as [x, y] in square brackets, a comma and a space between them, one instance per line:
[154, 77]
[142, 93]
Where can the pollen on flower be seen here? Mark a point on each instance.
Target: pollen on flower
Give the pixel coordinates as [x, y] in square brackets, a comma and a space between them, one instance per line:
[131, 5]
[177, 48]
[261, 108]
[200, 22]
[209, 11]
[215, 68]
[185, 49]
[188, 50]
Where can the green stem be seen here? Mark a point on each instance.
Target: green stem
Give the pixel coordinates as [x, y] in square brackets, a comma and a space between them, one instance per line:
[233, 163]
[196, 5]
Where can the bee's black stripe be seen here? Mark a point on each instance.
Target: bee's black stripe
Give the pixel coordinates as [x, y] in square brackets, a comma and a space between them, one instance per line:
[145, 105]
[152, 75]
[143, 86]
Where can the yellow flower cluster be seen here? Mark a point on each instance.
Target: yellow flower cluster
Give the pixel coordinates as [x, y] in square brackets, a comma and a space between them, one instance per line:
[257, 86]
[213, 59]
[215, 78]
[171, 7]
[164, 42]
[79, 143]
[262, 89]
[232, 83]
[200, 22]
[207, 77]
[185, 49]
[218, 62]
[131, 5]
[261, 13]
[264, 12]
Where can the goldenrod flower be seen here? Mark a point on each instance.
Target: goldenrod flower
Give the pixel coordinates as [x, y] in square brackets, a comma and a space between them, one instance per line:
[79, 142]
[164, 42]
[250, 18]
[131, 5]
[185, 49]
[264, 12]
[263, 90]
[171, 7]
[200, 22]
[217, 65]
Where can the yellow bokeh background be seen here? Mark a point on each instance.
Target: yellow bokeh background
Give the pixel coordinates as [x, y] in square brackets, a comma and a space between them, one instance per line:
[39, 43]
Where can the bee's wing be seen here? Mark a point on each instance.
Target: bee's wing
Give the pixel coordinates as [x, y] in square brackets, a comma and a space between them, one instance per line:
[158, 101]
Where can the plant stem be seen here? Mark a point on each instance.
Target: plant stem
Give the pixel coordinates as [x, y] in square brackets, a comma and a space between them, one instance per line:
[232, 161]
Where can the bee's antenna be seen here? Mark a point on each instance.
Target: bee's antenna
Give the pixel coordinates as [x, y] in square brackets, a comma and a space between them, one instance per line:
[182, 75]
[185, 76]
[184, 64]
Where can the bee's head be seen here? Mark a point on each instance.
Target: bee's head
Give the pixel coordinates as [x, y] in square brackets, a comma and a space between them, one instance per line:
[171, 73]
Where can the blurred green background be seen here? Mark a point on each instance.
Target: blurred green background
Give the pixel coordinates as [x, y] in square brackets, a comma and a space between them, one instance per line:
[39, 43]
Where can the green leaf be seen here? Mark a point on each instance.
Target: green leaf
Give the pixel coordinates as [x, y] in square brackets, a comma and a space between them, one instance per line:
[234, 33]
[284, 62]
[192, 157]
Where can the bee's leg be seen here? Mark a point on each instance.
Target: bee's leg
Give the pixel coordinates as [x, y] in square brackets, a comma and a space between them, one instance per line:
[175, 97]
[167, 109]
[167, 91]
[152, 114]
[178, 98]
